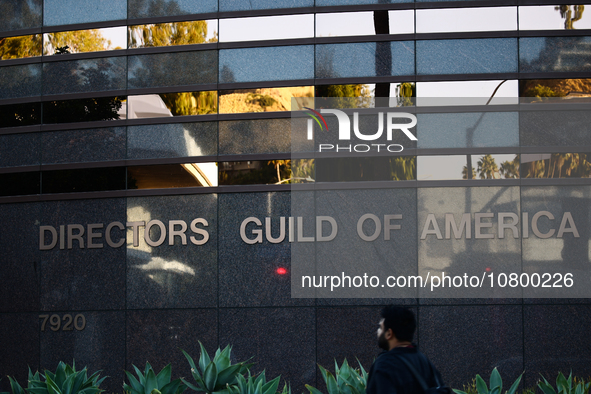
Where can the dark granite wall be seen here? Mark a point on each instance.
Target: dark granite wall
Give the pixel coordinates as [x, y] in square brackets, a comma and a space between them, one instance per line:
[146, 303]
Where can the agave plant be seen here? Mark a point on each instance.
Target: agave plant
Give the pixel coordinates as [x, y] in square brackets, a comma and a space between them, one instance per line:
[564, 386]
[148, 381]
[346, 380]
[496, 384]
[66, 380]
[217, 374]
[257, 385]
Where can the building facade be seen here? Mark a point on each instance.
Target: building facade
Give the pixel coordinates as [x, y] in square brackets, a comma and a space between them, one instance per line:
[137, 136]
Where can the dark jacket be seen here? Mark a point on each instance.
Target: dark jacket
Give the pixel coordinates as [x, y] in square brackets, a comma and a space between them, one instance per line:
[389, 375]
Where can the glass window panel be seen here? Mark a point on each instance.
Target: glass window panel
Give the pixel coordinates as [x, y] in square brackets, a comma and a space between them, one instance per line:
[15, 115]
[20, 14]
[466, 130]
[77, 146]
[79, 41]
[263, 172]
[554, 54]
[365, 59]
[255, 136]
[84, 75]
[172, 175]
[320, 3]
[551, 17]
[20, 81]
[265, 99]
[19, 47]
[267, 28]
[154, 8]
[245, 5]
[65, 12]
[266, 64]
[19, 150]
[466, 19]
[365, 169]
[571, 89]
[172, 104]
[476, 56]
[362, 23]
[173, 33]
[19, 184]
[172, 140]
[556, 165]
[555, 128]
[467, 93]
[172, 69]
[430, 168]
[83, 180]
[402, 94]
[83, 110]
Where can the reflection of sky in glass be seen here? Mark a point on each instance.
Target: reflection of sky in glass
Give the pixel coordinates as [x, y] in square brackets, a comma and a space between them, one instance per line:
[361, 23]
[267, 28]
[546, 17]
[432, 168]
[466, 92]
[471, 19]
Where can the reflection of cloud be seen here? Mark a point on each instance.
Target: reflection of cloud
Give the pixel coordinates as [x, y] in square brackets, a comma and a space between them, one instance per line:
[159, 264]
[138, 213]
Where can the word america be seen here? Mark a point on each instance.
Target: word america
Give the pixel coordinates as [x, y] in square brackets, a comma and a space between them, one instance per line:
[93, 233]
[480, 225]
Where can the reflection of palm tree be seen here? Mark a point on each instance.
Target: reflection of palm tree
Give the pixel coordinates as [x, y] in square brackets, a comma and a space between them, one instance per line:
[510, 169]
[559, 165]
[465, 173]
[487, 168]
[566, 14]
[278, 164]
[403, 168]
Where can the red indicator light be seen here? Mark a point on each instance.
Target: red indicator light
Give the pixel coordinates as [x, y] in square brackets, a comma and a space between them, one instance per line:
[487, 269]
[281, 271]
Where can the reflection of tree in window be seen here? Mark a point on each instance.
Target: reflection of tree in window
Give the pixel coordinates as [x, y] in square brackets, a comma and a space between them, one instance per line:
[539, 88]
[487, 168]
[465, 173]
[559, 165]
[566, 13]
[22, 14]
[191, 103]
[251, 173]
[405, 92]
[19, 47]
[346, 96]
[157, 8]
[510, 169]
[20, 115]
[82, 110]
[167, 34]
[403, 168]
[77, 41]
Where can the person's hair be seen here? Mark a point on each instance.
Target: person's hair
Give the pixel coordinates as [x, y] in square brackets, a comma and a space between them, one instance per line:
[401, 321]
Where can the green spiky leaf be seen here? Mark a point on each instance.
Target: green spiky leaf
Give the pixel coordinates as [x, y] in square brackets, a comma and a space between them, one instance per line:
[481, 385]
